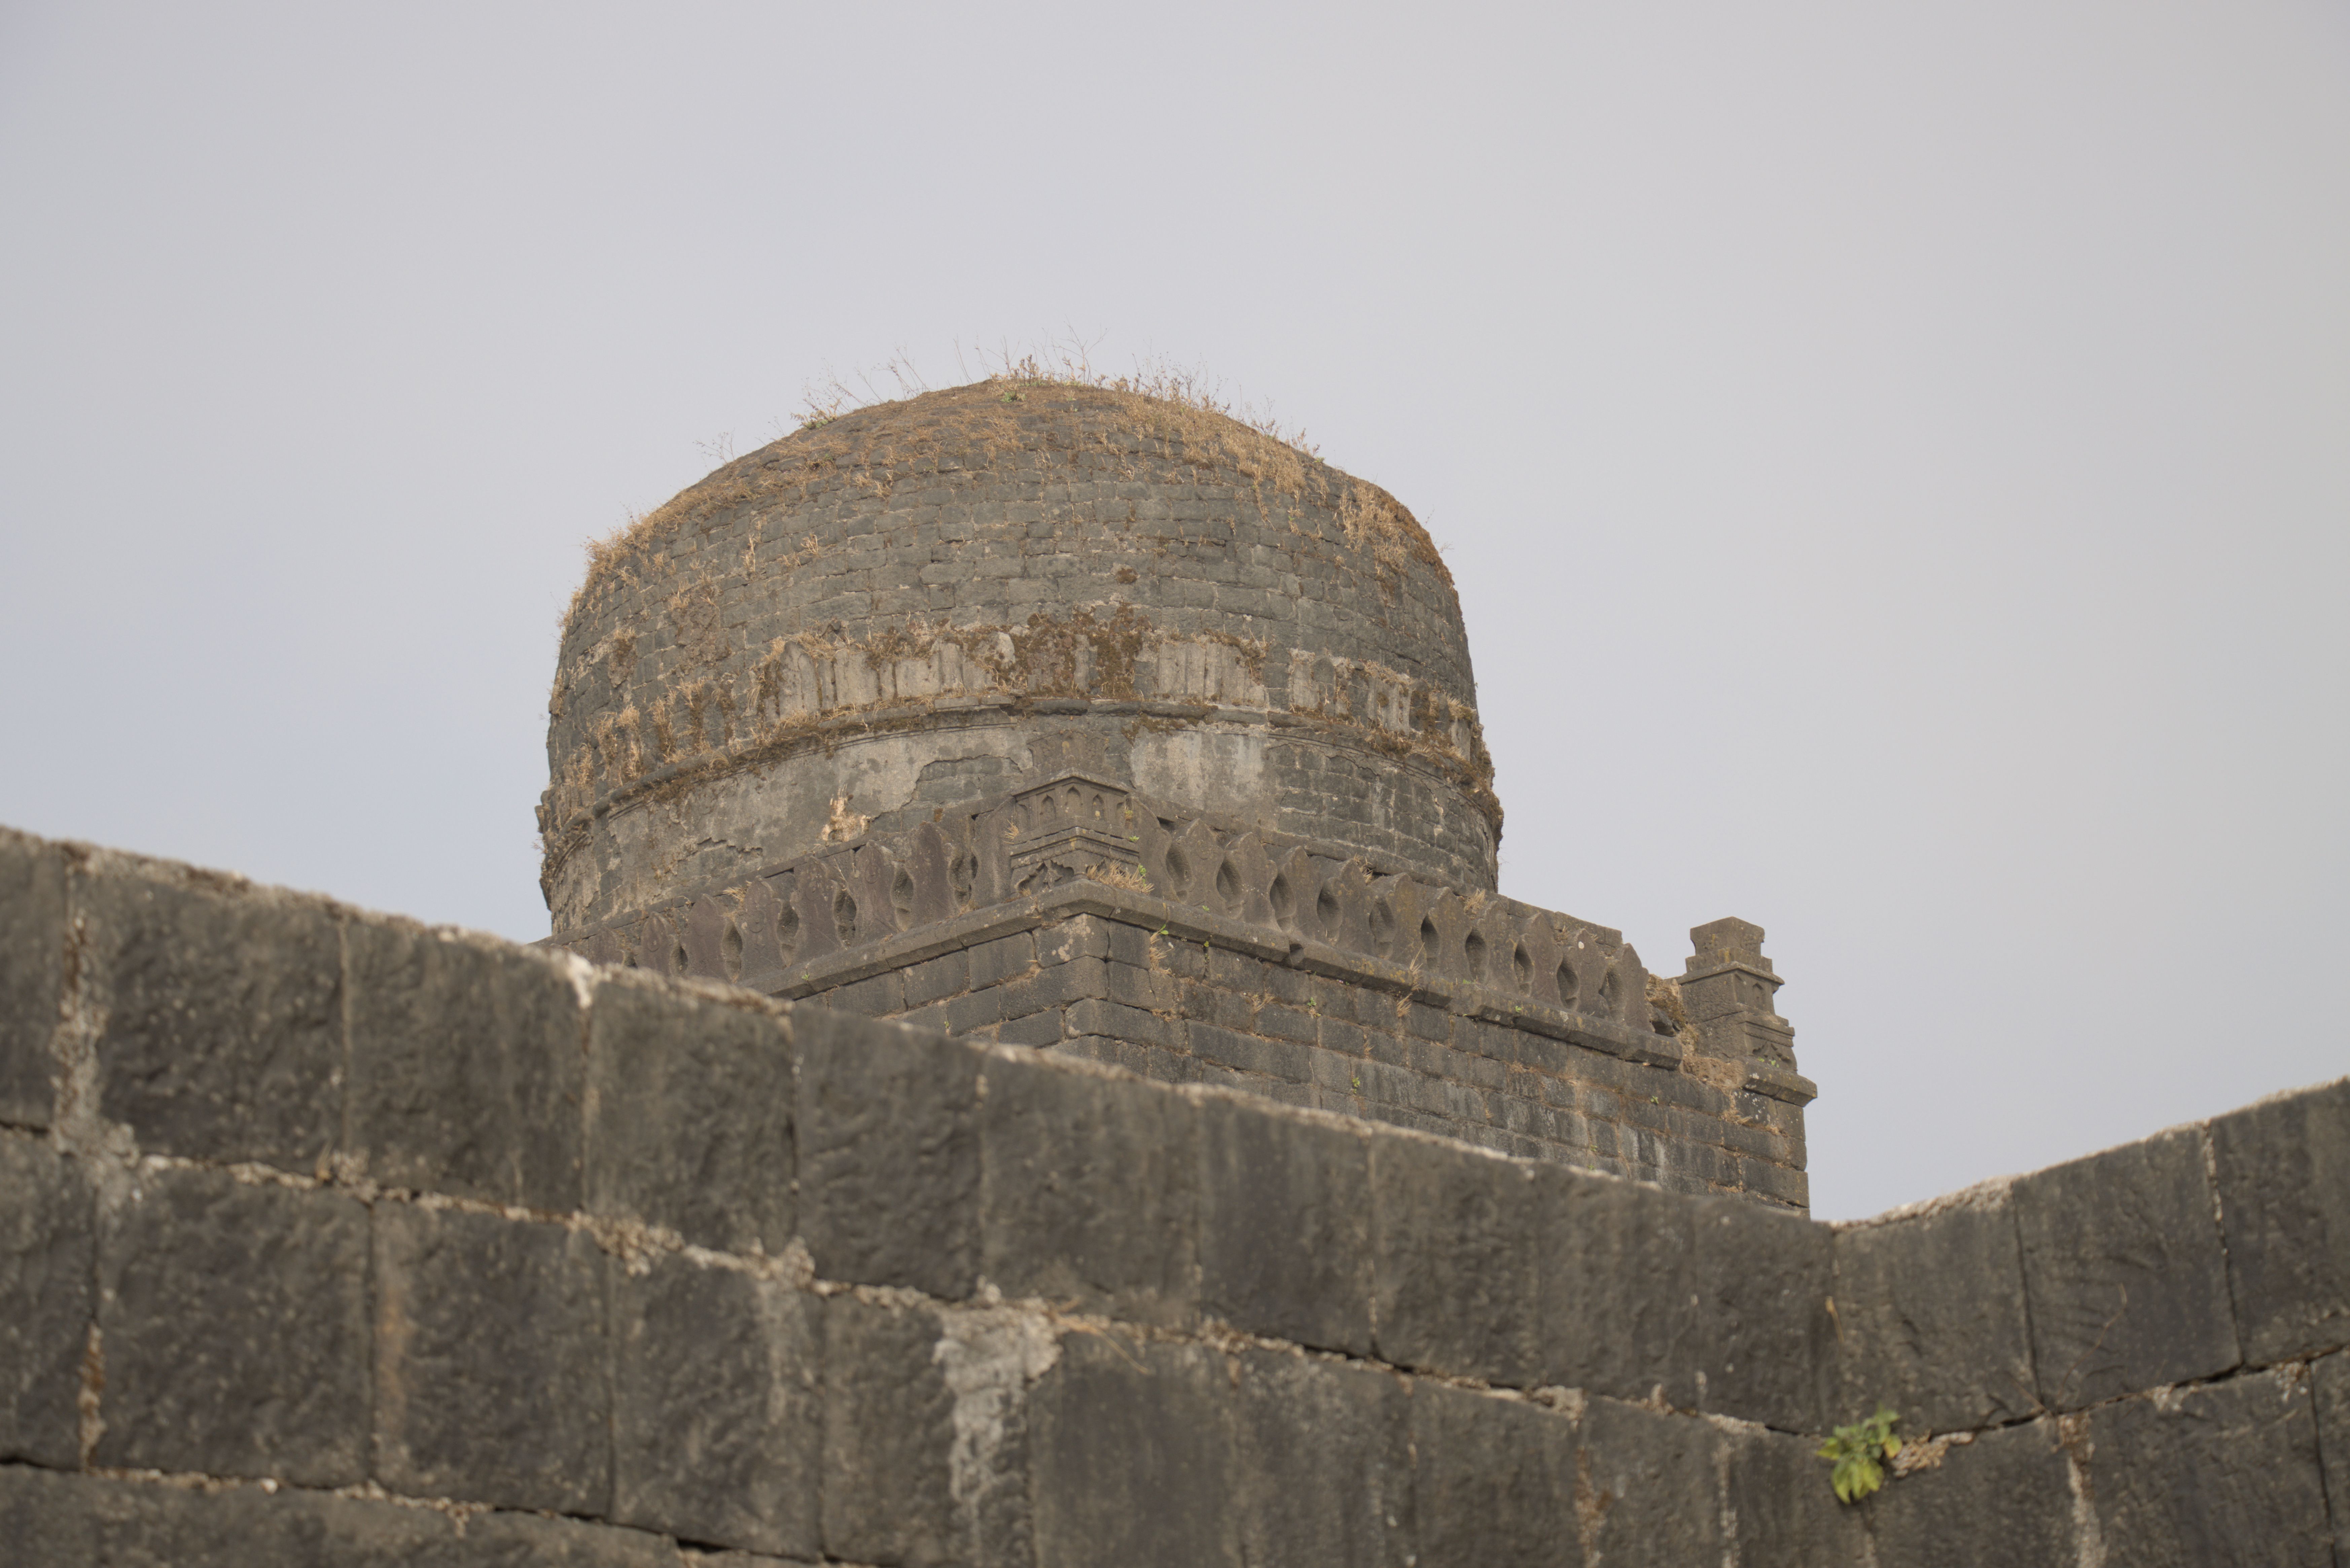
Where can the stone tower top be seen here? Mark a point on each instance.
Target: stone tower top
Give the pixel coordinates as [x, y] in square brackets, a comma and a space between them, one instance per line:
[938, 600]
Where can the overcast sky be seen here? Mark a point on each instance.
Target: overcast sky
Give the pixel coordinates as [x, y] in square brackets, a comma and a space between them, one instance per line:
[1896, 459]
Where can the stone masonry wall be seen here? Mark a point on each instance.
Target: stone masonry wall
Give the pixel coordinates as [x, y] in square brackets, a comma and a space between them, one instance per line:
[325, 1237]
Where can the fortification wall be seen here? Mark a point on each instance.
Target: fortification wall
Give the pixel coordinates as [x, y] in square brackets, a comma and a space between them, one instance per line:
[325, 1237]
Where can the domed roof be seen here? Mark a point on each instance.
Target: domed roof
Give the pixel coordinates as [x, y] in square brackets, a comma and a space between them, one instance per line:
[940, 599]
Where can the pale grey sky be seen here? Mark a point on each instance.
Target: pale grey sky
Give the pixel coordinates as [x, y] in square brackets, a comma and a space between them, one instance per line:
[1896, 459]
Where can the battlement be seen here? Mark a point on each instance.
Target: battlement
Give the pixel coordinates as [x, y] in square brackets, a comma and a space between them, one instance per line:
[1075, 915]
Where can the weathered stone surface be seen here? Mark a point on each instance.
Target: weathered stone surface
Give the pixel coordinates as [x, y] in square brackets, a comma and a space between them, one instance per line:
[890, 1439]
[1647, 1485]
[2210, 1476]
[1494, 1484]
[222, 1036]
[1090, 1190]
[2003, 1501]
[1764, 1340]
[2127, 1283]
[46, 1292]
[2329, 1384]
[716, 1418]
[1931, 1313]
[468, 1067]
[524, 1540]
[1615, 1279]
[70, 1520]
[1285, 1228]
[1780, 1511]
[490, 1369]
[2283, 1168]
[1454, 1259]
[888, 1153]
[1322, 1463]
[690, 1117]
[32, 976]
[1133, 1449]
[233, 1323]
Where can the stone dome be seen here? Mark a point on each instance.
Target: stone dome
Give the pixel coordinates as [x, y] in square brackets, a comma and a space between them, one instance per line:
[937, 601]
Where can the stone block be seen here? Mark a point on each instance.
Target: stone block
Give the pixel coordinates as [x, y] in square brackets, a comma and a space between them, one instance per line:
[1492, 1483]
[888, 1153]
[1454, 1254]
[1322, 1462]
[1247, 1053]
[1129, 986]
[1090, 1190]
[926, 1433]
[234, 1333]
[1647, 1485]
[1765, 1342]
[491, 1368]
[1931, 1313]
[1037, 1030]
[514, 1540]
[689, 1120]
[2003, 1501]
[2284, 1169]
[1617, 1287]
[877, 996]
[467, 1070]
[75, 1519]
[1780, 1510]
[1095, 1016]
[47, 1251]
[32, 976]
[1132, 1445]
[2329, 1386]
[994, 962]
[716, 1419]
[222, 1036]
[947, 975]
[888, 1436]
[1285, 1228]
[2121, 1260]
[1054, 985]
[2209, 1476]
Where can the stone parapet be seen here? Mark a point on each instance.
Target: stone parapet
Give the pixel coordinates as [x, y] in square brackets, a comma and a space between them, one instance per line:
[327, 1237]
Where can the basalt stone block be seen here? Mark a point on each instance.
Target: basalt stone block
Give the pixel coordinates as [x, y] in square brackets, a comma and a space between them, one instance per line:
[1780, 1511]
[222, 1036]
[1322, 1462]
[1494, 1483]
[1617, 1287]
[468, 1068]
[2127, 1283]
[32, 976]
[47, 1248]
[2003, 1501]
[888, 1155]
[1133, 1456]
[1285, 1228]
[690, 1117]
[1647, 1485]
[2329, 1386]
[1932, 1316]
[1090, 1190]
[716, 1418]
[2284, 1202]
[1454, 1260]
[491, 1372]
[890, 1439]
[2210, 1476]
[1765, 1339]
[524, 1540]
[233, 1323]
[46, 1517]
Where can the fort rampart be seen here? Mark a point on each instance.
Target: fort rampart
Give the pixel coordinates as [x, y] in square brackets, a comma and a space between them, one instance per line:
[325, 1237]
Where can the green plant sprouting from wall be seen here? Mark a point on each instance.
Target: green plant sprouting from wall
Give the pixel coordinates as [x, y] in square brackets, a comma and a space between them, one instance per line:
[1860, 1452]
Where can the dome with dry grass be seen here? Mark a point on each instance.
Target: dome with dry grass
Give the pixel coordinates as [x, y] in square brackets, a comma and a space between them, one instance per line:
[933, 601]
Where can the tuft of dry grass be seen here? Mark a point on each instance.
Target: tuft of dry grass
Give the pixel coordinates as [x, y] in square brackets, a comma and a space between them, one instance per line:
[1133, 878]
